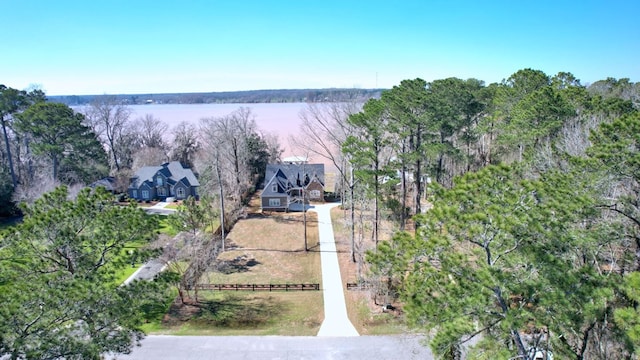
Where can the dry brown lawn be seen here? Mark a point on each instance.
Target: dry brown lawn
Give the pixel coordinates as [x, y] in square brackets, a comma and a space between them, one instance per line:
[268, 248]
[364, 314]
[275, 243]
[264, 248]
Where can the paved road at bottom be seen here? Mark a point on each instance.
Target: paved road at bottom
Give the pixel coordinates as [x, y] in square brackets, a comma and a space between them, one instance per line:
[403, 347]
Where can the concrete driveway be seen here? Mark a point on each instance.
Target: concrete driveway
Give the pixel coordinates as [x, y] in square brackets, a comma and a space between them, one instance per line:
[336, 322]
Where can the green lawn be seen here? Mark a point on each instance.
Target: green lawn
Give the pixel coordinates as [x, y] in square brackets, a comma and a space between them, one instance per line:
[262, 250]
[245, 313]
[124, 273]
[164, 226]
[126, 255]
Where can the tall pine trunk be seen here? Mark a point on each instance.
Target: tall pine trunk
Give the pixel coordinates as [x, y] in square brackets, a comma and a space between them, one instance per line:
[14, 180]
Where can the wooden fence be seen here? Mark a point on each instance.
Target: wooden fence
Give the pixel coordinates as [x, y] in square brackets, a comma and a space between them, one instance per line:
[259, 287]
[356, 286]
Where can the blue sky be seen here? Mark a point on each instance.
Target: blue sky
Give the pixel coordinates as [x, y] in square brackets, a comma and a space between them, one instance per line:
[135, 46]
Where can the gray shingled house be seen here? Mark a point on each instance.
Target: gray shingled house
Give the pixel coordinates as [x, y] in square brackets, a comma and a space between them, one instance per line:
[162, 182]
[285, 184]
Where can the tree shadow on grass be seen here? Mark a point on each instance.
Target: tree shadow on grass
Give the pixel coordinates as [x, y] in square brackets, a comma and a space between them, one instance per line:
[238, 311]
[294, 220]
[314, 248]
[238, 265]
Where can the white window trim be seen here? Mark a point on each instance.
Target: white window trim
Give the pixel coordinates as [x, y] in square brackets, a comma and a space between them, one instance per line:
[180, 192]
[274, 202]
[145, 194]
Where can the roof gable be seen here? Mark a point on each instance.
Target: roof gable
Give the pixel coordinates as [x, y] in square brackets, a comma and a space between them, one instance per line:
[173, 171]
[178, 173]
[146, 173]
[315, 180]
[280, 180]
[109, 183]
[296, 173]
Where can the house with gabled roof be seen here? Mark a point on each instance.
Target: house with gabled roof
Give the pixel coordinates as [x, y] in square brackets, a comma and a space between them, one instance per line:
[287, 184]
[169, 180]
[108, 183]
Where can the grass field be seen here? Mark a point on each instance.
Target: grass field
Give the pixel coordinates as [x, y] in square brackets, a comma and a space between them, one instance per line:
[367, 317]
[261, 249]
[269, 249]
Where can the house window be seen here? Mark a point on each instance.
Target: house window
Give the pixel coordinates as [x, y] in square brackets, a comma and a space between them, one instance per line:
[162, 191]
[180, 192]
[134, 194]
[274, 188]
[159, 181]
[274, 202]
[314, 193]
[145, 194]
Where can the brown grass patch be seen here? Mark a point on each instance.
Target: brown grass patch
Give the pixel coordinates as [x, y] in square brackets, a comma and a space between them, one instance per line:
[275, 244]
[263, 248]
[364, 314]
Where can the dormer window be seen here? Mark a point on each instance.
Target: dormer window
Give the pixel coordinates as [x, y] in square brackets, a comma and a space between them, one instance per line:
[159, 181]
[274, 188]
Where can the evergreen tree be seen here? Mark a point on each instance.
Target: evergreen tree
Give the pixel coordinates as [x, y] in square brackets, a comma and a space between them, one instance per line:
[58, 282]
[502, 257]
[60, 134]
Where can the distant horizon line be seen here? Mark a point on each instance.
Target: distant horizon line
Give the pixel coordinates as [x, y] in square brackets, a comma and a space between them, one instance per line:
[221, 92]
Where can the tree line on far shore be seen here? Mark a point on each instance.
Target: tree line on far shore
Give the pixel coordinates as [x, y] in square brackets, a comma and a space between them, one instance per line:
[227, 97]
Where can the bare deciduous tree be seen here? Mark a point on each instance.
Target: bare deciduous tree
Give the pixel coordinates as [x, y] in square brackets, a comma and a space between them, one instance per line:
[129, 144]
[185, 143]
[273, 147]
[323, 130]
[226, 141]
[39, 184]
[149, 156]
[109, 119]
[152, 132]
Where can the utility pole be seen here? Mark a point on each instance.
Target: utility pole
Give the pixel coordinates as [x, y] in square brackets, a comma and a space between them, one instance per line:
[304, 217]
[221, 198]
[304, 200]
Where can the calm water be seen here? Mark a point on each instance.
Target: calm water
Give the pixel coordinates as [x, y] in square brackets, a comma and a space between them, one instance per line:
[277, 118]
